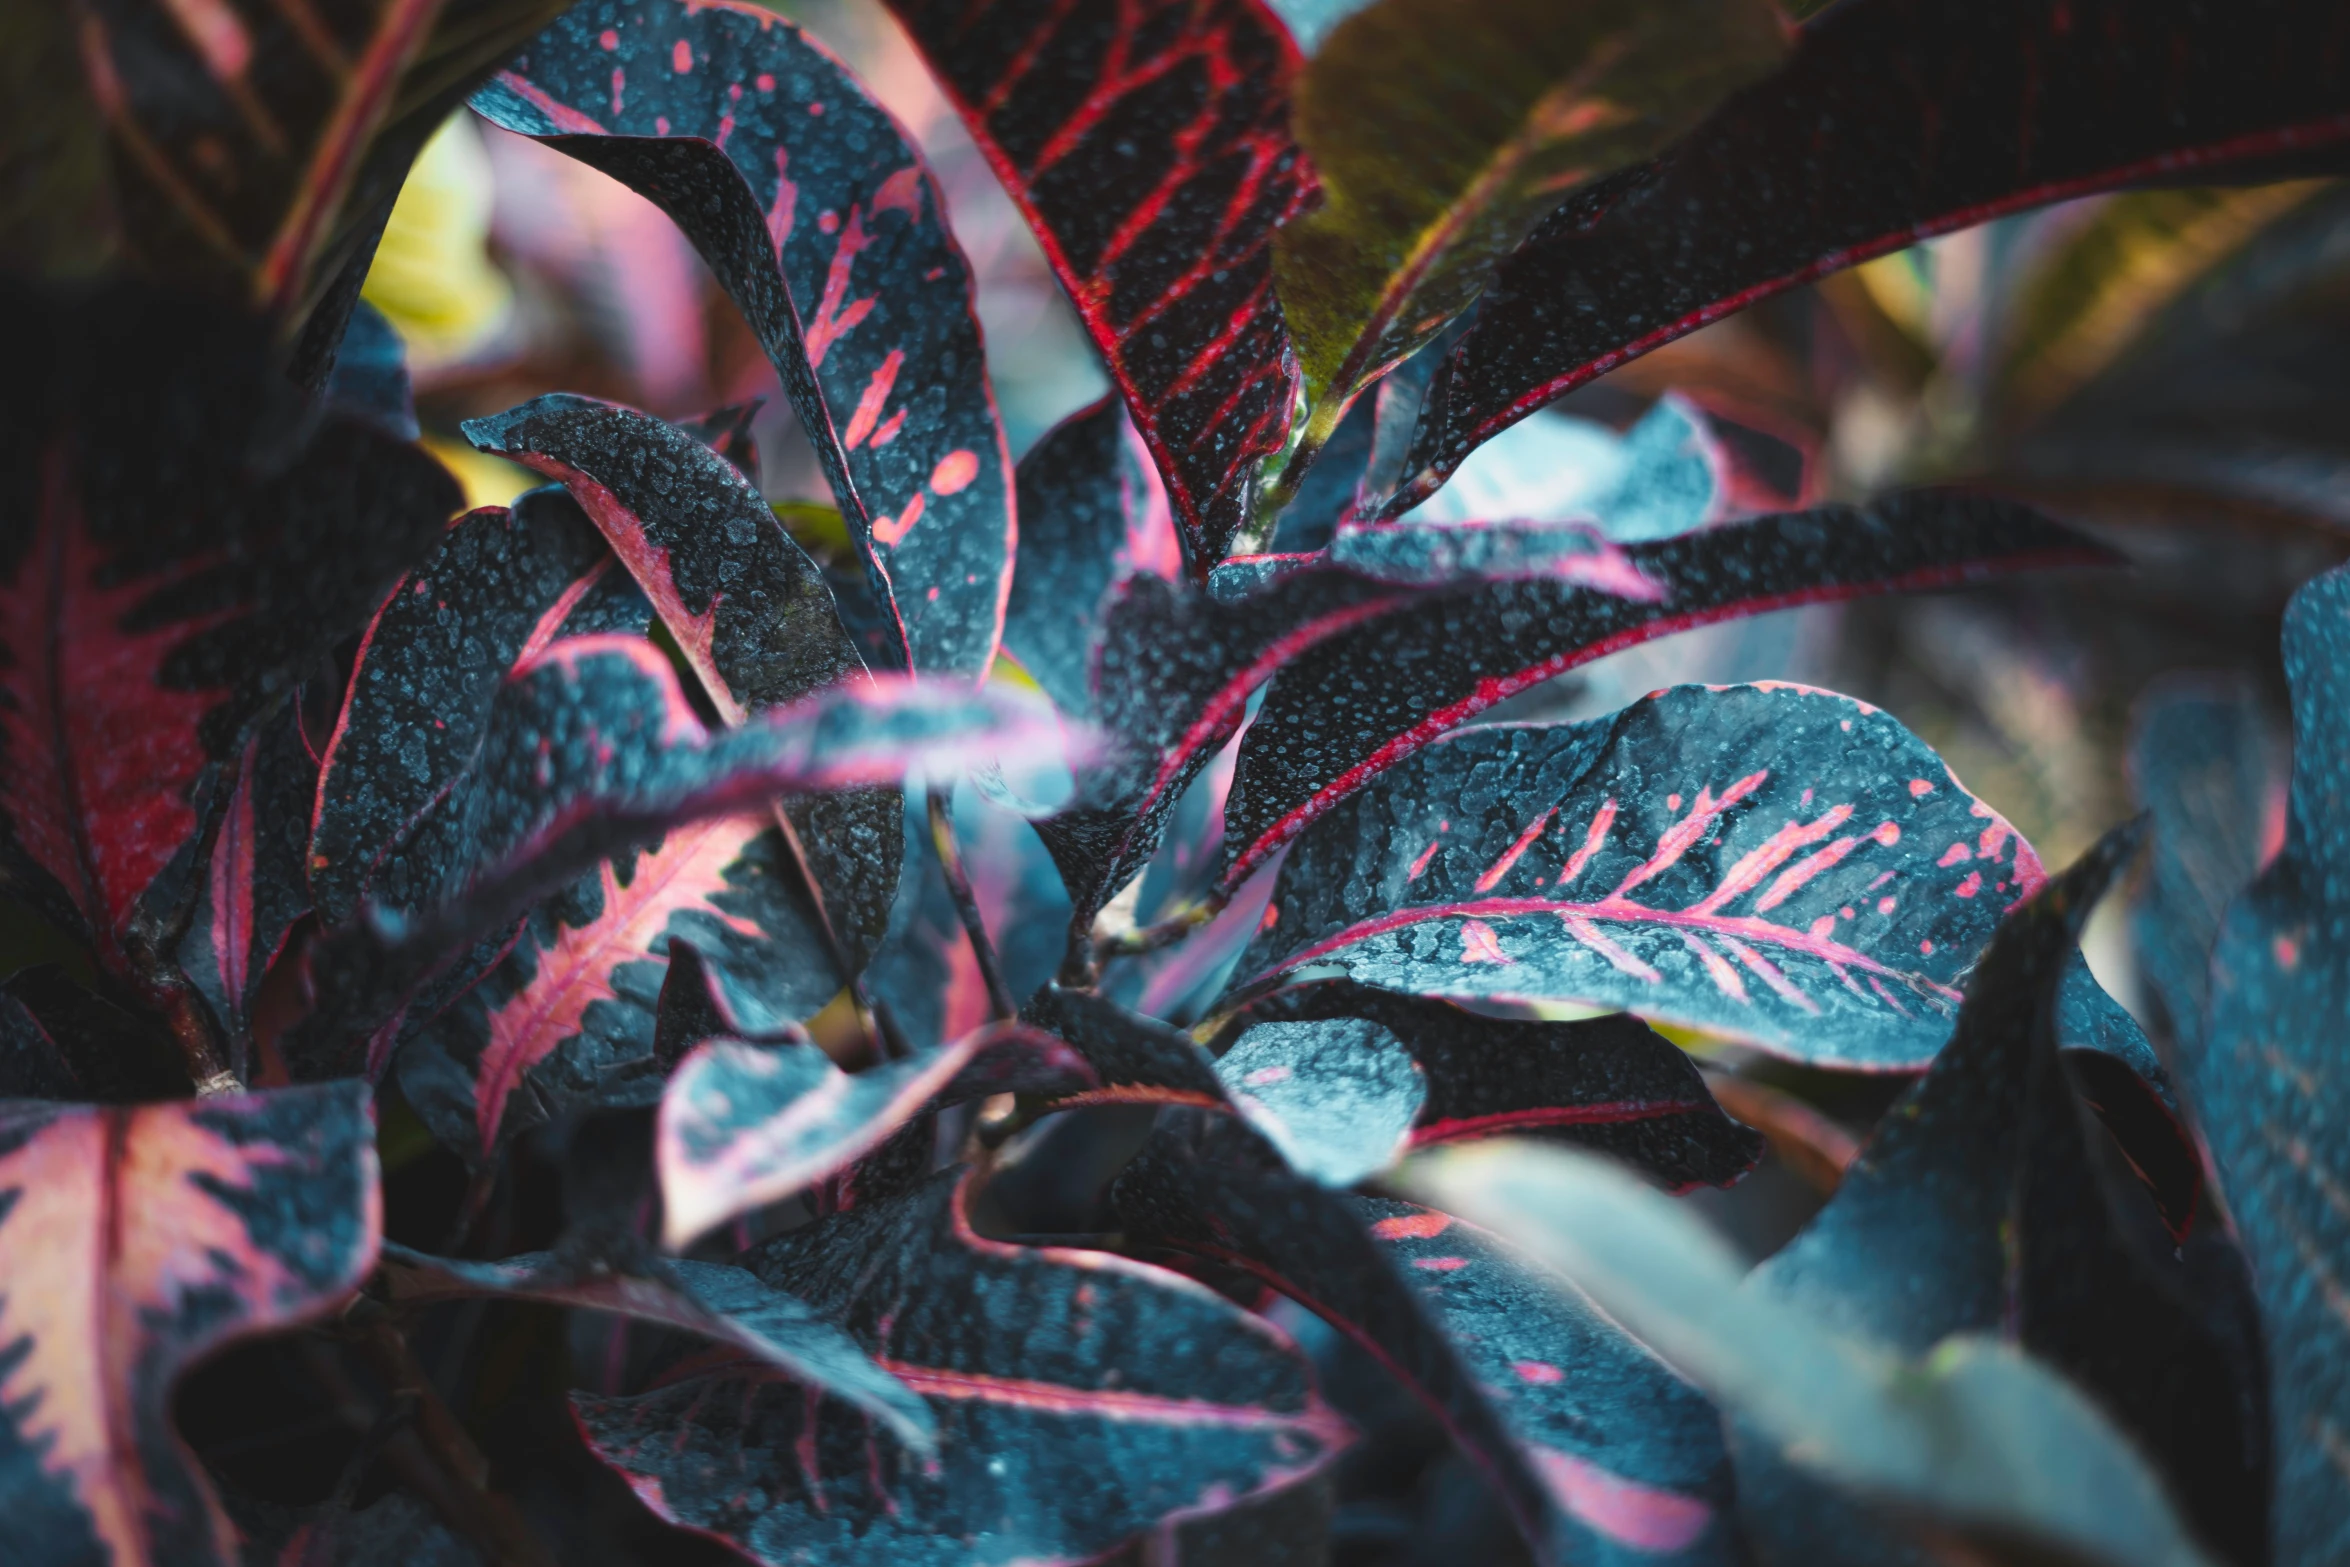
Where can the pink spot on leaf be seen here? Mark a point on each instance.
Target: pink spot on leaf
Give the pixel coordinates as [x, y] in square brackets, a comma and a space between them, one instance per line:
[1641, 1517]
[1440, 1264]
[1972, 885]
[765, 81]
[1412, 1226]
[1264, 1075]
[1885, 905]
[1956, 854]
[1887, 833]
[1420, 864]
[1539, 1372]
[1920, 787]
[681, 58]
[1479, 945]
[609, 38]
[954, 472]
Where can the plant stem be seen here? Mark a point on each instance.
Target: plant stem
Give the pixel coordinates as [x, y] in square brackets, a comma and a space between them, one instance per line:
[950, 861]
[1159, 933]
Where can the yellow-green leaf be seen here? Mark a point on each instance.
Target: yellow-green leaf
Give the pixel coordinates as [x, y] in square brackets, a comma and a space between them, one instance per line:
[1443, 131]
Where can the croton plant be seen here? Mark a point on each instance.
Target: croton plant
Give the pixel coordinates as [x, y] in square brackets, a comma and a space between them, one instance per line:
[651, 1024]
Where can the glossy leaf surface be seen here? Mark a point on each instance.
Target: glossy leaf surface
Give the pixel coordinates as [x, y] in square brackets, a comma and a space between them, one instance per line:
[1062, 1433]
[744, 1125]
[2269, 1087]
[1597, 1452]
[1342, 712]
[819, 218]
[1943, 116]
[1336, 1096]
[154, 605]
[136, 1240]
[723, 1304]
[1781, 865]
[1149, 146]
[1973, 1439]
[1442, 133]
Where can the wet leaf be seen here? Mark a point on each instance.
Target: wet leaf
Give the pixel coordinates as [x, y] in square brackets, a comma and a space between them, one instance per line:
[135, 1241]
[821, 221]
[1337, 1097]
[1150, 150]
[1941, 117]
[1062, 1431]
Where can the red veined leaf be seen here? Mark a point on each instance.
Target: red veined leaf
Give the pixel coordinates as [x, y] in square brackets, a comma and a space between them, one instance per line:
[1611, 1083]
[819, 218]
[1059, 1436]
[253, 143]
[1336, 717]
[1149, 146]
[1093, 513]
[2264, 1080]
[723, 1304]
[135, 1240]
[1781, 865]
[254, 888]
[1597, 1451]
[501, 586]
[152, 608]
[743, 1125]
[1944, 116]
[1980, 1204]
[568, 1017]
[1176, 666]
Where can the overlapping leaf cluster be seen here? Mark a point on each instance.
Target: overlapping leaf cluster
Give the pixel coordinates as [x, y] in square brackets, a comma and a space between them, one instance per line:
[932, 1134]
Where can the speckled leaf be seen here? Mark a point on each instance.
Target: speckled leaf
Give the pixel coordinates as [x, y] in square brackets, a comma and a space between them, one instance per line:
[1336, 1096]
[1598, 1452]
[1942, 116]
[254, 888]
[819, 218]
[1444, 132]
[727, 431]
[153, 606]
[1607, 1083]
[1092, 513]
[1982, 1446]
[1149, 145]
[2270, 1091]
[502, 585]
[134, 1241]
[1066, 1426]
[726, 1305]
[1345, 710]
[744, 1125]
[1784, 866]
[568, 1017]
[746, 605]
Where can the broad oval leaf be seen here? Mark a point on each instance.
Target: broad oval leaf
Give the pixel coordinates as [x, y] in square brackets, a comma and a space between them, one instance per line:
[1065, 1429]
[744, 1125]
[1336, 1096]
[1443, 132]
[1780, 865]
[135, 1240]
[1367, 698]
[819, 218]
[2264, 1074]
[153, 607]
[1974, 1438]
[1943, 116]
[1150, 148]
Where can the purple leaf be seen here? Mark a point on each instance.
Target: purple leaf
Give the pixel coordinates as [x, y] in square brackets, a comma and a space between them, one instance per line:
[819, 218]
[1780, 865]
[744, 1125]
[1061, 1433]
[1149, 146]
[254, 886]
[1896, 120]
[1343, 711]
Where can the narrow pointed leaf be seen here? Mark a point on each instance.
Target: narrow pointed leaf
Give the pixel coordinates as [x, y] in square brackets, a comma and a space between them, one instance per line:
[1942, 116]
[1596, 1451]
[153, 607]
[1785, 866]
[1973, 1439]
[744, 1125]
[1443, 133]
[1150, 149]
[1092, 513]
[1344, 711]
[820, 219]
[1611, 1083]
[502, 586]
[723, 1304]
[2265, 1078]
[1060, 1436]
[134, 1241]
[254, 888]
